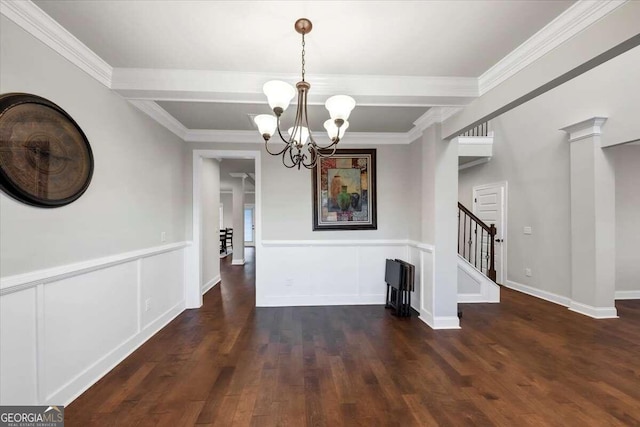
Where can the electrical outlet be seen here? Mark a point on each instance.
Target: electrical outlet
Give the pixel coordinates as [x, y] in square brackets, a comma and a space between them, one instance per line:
[163, 236]
[527, 272]
[147, 304]
[527, 230]
[288, 282]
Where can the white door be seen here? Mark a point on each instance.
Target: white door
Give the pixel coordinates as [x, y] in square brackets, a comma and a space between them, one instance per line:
[249, 225]
[489, 204]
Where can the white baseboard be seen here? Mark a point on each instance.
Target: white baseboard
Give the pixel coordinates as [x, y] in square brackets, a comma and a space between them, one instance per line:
[439, 322]
[538, 293]
[595, 312]
[317, 300]
[587, 310]
[627, 295]
[237, 262]
[210, 284]
[78, 385]
[472, 298]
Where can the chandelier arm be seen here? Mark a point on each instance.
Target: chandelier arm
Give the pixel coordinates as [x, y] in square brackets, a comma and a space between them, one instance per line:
[266, 147]
[313, 160]
[328, 147]
[284, 159]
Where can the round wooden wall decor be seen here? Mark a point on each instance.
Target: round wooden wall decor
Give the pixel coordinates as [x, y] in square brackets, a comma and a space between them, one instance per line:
[45, 158]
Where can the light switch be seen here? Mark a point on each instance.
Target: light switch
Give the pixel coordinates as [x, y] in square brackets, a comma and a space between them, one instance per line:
[527, 230]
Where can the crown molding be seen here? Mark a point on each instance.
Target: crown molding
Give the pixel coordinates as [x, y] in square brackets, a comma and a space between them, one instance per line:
[432, 116]
[585, 129]
[161, 116]
[44, 28]
[569, 23]
[253, 137]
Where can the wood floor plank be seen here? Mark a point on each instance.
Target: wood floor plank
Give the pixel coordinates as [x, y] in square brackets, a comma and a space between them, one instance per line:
[523, 362]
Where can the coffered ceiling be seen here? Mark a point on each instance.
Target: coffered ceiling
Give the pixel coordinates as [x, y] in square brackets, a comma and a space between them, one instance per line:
[200, 65]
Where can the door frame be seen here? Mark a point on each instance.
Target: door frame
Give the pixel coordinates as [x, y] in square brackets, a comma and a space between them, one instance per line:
[504, 185]
[253, 210]
[193, 262]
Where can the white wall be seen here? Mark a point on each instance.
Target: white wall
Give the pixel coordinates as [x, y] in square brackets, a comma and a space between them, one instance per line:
[533, 156]
[76, 279]
[210, 223]
[626, 160]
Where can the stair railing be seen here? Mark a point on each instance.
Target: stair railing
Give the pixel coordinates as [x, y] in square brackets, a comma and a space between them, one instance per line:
[483, 256]
[481, 130]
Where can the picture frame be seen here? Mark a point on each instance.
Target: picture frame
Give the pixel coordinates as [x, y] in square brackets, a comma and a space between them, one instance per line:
[344, 191]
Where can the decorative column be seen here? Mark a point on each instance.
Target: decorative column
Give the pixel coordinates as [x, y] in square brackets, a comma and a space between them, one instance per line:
[592, 222]
[238, 221]
[439, 305]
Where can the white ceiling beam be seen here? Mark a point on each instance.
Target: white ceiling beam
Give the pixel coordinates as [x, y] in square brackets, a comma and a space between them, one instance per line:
[222, 86]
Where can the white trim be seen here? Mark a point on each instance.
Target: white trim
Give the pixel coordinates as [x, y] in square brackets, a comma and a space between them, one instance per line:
[505, 220]
[342, 242]
[160, 115]
[489, 290]
[627, 295]
[237, 262]
[322, 300]
[474, 163]
[432, 116]
[210, 284]
[21, 282]
[585, 129]
[538, 293]
[44, 28]
[425, 247]
[253, 137]
[472, 298]
[571, 22]
[595, 312]
[439, 322]
[246, 87]
[91, 375]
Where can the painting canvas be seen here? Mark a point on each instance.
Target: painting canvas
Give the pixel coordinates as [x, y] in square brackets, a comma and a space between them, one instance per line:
[344, 196]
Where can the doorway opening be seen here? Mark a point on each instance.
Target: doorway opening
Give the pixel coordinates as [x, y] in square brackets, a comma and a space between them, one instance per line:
[194, 271]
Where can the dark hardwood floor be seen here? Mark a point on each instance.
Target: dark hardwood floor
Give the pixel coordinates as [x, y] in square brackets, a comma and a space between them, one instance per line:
[524, 362]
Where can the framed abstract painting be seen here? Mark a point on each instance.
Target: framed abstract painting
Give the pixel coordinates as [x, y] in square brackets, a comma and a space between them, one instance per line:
[344, 191]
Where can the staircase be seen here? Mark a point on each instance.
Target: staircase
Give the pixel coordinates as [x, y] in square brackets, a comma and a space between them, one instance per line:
[476, 259]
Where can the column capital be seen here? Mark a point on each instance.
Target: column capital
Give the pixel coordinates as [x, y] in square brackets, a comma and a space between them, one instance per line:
[585, 129]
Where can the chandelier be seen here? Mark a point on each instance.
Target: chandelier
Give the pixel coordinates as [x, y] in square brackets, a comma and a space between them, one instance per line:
[301, 149]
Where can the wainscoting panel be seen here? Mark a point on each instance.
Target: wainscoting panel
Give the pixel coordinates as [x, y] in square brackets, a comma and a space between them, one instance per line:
[62, 329]
[325, 272]
[86, 317]
[18, 383]
[159, 276]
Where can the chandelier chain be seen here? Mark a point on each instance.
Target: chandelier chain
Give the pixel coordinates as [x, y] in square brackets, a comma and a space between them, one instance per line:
[303, 52]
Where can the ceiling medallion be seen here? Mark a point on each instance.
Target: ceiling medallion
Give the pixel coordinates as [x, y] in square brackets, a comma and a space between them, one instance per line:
[300, 139]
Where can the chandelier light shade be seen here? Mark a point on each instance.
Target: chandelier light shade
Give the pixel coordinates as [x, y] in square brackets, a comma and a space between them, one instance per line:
[301, 149]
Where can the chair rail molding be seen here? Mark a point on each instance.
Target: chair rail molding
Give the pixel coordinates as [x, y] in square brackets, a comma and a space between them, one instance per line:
[32, 279]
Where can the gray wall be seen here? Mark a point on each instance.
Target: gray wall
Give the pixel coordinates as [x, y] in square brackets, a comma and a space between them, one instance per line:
[286, 196]
[138, 183]
[227, 202]
[627, 165]
[533, 156]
